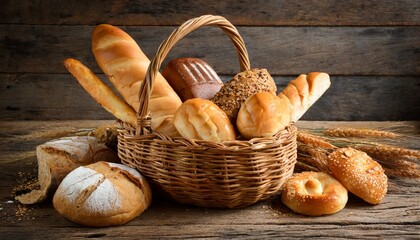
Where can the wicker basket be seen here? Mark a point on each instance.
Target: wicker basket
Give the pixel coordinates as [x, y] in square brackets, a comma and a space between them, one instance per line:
[202, 173]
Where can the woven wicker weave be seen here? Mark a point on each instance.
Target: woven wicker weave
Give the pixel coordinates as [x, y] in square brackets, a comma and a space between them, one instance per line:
[229, 174]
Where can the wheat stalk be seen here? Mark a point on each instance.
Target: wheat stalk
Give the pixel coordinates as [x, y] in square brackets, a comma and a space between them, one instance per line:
[314, 141]
[386, 152]
[354, 132]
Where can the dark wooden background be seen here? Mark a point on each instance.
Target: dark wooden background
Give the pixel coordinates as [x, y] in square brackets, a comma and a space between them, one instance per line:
[371, 49]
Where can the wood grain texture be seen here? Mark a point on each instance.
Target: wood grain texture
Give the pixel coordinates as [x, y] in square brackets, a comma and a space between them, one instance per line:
[396, 218]
[249, 13]
[282, 50]
[59, 96]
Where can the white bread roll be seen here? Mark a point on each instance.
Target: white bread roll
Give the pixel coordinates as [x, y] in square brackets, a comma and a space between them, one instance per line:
[262, 115]
[59, 157]
[102, 194]
[201, 119]
[122, 60]
[304, 91]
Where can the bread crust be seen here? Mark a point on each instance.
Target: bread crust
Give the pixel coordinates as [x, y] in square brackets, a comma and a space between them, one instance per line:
[359, 173]
[201, 119]
[102, 194]
[314, 194]
[192, 78]
[262, 115]
[122, 60]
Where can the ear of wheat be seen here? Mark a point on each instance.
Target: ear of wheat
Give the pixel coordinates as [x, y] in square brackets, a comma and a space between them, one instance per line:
[354, 132]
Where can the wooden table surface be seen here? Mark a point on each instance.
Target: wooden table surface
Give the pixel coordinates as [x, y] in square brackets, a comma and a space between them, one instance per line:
[397, 217]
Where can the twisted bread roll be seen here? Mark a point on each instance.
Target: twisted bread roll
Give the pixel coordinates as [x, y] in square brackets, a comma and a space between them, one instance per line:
[263, 115]
[359, 173]
[304, 91]
[122, 60]
[314, 194]
[201, 119]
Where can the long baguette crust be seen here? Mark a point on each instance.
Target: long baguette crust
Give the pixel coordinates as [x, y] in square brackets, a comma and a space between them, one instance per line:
[122, 60]
[100, 92]
[304, 91]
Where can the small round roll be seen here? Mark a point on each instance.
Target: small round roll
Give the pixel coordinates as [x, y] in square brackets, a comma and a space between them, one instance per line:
[262, 115]
[201, 119]
[314, 194]
[359, 173]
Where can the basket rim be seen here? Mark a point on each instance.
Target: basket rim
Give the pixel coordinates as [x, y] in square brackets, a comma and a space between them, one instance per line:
[128, 132]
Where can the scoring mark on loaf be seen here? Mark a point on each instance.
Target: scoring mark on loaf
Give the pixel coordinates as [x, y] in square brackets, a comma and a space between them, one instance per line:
[90, 189]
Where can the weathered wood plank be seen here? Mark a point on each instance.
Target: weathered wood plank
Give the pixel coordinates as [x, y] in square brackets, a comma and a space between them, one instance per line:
[397, 217]
[59, 96]
[282, 50]
[251, 13]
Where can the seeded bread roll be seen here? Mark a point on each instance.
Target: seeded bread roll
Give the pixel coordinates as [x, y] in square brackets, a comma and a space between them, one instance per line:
[201, 119]
[192, 78]
[262, 115]
[244, 84]
[314, 194]
[102, 194]
[359, 173]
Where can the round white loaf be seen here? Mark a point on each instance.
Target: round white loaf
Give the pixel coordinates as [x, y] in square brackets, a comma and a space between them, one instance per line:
[102, 194]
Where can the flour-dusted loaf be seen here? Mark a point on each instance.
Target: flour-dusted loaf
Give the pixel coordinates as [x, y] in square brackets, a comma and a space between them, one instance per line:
[304, 91]
[59, 157]
[263, 114]
[244, 84]
[125, 64]
[102, 194]
[192, 78]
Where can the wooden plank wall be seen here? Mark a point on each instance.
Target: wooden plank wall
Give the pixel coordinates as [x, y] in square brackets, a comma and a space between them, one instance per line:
[371, 49]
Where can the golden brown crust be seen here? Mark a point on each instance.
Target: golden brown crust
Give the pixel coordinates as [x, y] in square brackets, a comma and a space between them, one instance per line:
[244, 84]
[100, 92]
[203, 120]
[304, 91]
[359, 173]
[262, 115]
[122, 60]
[314, 194]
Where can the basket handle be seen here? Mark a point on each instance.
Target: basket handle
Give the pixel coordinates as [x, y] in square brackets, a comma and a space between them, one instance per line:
[143, 116]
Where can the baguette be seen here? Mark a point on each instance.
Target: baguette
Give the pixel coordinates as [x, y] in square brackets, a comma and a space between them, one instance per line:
[304, 91]
[100, 92]
[122, 60]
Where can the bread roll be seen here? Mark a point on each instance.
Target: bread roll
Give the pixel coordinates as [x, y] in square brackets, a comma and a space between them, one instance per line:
[201, 119]
[244, 84]
[102, 194]
[59, 157]
[359, 173]
[304, 91]
[192, 78]
[314, 194]
[122, 60]
[262, 115]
